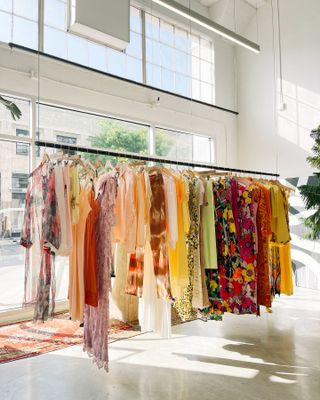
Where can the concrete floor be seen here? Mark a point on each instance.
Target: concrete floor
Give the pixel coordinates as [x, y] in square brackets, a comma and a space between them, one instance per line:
[276, 356]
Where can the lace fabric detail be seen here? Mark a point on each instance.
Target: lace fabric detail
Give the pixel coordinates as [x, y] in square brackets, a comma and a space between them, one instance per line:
[96, 319]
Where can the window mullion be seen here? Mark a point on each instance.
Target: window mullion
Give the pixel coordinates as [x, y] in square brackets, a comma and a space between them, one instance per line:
[33, 131]
[40, 25]
[144, 51]
[151, 140]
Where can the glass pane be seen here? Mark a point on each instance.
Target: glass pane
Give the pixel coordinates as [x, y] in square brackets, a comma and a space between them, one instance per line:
[25, 32]
[196, 89]
[6, 5]
[167, 56]
[13, 128]
[195, 68]
[167, 80]
[205, 50]
[153, 75]
[201, 149]
[14, 172]
[195, 46]
[206, 71]
[5, 27]
[173, 145]
[184, 146]
[166, 33]
[213, 94]
[77, 49]
[206, 92]
[97, 56]
[116, 62]
[26, 8]
[135, 47]
[55, 14]
[183, 85]
[152, 27]
[89, 130]
[182, 62]
[181, 41]
[186, 59]
[134, 69]
[55, 42]
[153, 53]
[135, 20]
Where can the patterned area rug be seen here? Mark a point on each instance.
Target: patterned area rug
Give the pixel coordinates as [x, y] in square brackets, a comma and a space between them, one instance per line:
[26, 339]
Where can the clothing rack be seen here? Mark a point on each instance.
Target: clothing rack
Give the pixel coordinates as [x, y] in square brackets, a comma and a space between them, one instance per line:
[143, 157]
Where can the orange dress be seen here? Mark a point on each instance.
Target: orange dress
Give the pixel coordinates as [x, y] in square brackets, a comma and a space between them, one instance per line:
[90, 267]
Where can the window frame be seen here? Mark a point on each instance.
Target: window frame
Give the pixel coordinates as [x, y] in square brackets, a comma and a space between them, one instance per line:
[14, 314]
[185, 78]
[22, 132]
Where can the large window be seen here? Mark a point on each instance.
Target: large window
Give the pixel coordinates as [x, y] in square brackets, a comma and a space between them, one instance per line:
[183, 146]
[58, 42]
[19, 22]
[68, 127]
[161, 54]
[90, 130]
[14, 171]
[179, 61]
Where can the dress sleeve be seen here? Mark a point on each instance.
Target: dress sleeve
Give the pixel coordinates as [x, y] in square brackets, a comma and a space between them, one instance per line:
[27, 231]
[185, 206]
[52, 227]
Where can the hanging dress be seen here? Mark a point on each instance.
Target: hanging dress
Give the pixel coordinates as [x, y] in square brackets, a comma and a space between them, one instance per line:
[96, 322]
[246, 235]
[90, 258]
[41, 231]
[264, 234]
[76, 260]
[63, 198]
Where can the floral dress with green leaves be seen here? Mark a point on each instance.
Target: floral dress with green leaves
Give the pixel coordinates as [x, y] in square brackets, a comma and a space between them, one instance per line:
[232, 288]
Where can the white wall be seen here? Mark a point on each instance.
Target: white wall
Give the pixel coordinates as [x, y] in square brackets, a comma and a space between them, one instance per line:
[270, 139]
[72, 86]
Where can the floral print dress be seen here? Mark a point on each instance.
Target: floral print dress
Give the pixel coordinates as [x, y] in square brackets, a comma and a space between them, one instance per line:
[248, 251]
[233, 287]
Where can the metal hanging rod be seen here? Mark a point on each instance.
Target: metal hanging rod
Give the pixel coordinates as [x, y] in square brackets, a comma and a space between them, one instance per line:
[119, 78]
[143, 157]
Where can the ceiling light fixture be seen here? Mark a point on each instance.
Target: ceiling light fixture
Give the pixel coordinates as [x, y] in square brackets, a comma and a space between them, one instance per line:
[208, 24]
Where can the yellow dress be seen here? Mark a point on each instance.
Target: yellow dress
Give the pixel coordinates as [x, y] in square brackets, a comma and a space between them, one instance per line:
[76, 261]
[178, 262]
[281, 237]
[286, 282]
[279, 221]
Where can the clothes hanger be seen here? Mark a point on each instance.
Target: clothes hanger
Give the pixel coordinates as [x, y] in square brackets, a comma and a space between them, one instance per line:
[137, 163]
[289, 189]
[45, 157]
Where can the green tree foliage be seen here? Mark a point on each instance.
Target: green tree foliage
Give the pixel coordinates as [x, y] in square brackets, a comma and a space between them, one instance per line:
[12, 107]
[120, 136]
[311, 193]
[163, 143]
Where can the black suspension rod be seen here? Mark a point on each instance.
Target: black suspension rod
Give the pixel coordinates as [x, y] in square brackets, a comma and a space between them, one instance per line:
[143, 157]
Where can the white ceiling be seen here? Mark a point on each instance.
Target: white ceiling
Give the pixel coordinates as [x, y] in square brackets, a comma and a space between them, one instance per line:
[234, 14]
[207, 3]
[256, 3]
[253, 3]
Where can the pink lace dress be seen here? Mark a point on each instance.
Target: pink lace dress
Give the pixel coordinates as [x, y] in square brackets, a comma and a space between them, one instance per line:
[41, 236]
[96, 319]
